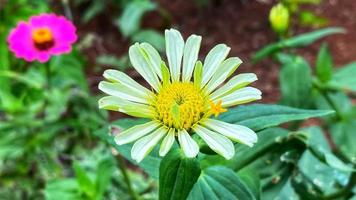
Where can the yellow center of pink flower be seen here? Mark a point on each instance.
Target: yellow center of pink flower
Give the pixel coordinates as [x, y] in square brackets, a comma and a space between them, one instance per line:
[43, 38]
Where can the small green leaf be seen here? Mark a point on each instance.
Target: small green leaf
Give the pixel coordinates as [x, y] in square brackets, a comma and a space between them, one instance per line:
[297, 41]
[177, 176]
[86, 185]
[130, 20]
[344, 78]
[324, 64]
[261, 116]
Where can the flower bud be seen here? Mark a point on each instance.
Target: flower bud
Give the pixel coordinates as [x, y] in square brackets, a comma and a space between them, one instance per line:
[279, 18]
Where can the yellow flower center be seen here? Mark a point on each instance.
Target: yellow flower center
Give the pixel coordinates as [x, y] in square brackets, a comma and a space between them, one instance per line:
[180, 105]
[42, 38]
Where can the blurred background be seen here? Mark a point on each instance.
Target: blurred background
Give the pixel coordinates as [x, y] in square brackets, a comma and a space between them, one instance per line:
[48, 145]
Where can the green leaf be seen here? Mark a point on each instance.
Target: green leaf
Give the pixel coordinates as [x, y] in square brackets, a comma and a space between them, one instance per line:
[152, 37]
[307, 18]
[129, 21]
[324, 64]
[297, 41]
[296, 83]
[251, 178]
[151, 162]
[220, 183]
[344, 78]
[85, 183]
[105, 170]
[177, 175]
[261, 116]
[62, 189]
[343, 134]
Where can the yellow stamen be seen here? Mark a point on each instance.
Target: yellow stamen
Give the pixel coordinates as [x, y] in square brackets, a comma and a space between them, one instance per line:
[42, 35]
[180, 105]
[216, 109]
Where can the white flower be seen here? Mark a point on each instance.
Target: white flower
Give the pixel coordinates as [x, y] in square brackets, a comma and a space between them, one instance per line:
[183, 98]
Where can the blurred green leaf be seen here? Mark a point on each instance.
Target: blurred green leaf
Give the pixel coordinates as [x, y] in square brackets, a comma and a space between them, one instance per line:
[343, 134]
[220, 183]
[95, 8]
[307, 18]
[261, 116]
[121, 63]
[251, 178]
[130, 20]
[296, 41]
[295, 80]
[324, 64]
[86, 184]
[152, 37]
[177, 175]
[62, 189]
[344, 78]
[151, 162]
[105, 170]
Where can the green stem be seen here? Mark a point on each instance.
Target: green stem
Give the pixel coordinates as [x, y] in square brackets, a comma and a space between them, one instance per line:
[123, 169]
[332, 104]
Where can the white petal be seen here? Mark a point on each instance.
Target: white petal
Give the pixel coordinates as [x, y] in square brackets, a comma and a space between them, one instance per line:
[123, 92]
[190, 56]
[218, 143]
[136, 132]
[174, 51]
[167, 142]
[117, 76]
[233, 84]
[214, 58]
[188, 145]
[225, 70]
[128, 107]
[153, 57]
[139, 60]
[243, 95]
[235, 132]
[145, 145]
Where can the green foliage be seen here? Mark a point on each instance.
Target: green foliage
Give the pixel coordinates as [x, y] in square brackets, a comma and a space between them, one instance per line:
[294, 42]
[177, 176]
[219, 182]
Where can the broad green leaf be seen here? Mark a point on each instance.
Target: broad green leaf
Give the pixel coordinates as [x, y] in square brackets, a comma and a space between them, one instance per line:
[296, 41]
[324, 64]
[251, 178]
[62, 189]
[344, 78]
[151, 162]
[130, 20]
[295, 80]
[152, 37]
[220, 183]
[261, 116]
[177, 176]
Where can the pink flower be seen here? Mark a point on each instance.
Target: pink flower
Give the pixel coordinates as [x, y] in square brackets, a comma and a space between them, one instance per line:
[42, 36]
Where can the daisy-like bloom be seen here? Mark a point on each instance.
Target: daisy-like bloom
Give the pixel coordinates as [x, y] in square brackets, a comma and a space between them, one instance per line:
[185, 98]
[42, 36]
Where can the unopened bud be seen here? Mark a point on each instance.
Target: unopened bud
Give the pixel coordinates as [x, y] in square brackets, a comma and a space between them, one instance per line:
[279, 18]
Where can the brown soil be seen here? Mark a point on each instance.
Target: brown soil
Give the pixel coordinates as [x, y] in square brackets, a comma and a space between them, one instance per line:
[241, 24]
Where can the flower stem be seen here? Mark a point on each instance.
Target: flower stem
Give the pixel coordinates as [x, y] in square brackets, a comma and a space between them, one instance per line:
[123, 169]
